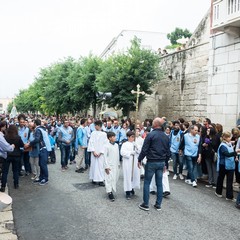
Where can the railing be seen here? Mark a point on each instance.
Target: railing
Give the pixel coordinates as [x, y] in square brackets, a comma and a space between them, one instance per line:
[225, 12]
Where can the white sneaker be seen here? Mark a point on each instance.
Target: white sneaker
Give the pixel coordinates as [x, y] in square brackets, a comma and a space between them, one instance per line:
[218, 195]
[188, 181]
[33, 177]
[231, 199]
[181, 176]
[175, 176]
[194, 184]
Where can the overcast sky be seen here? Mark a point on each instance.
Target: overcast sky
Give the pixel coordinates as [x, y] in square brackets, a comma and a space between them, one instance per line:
[35, 34]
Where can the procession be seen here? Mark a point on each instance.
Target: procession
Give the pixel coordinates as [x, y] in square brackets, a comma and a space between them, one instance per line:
[120, 120]
[142, 151]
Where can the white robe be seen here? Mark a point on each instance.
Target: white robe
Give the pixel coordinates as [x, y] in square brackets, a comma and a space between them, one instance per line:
[97, 141]
[131, 172]
[111, 161]
[139, 141]
[165, 183]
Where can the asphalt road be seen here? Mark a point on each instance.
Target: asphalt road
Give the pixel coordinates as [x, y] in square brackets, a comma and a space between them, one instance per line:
[70, 207]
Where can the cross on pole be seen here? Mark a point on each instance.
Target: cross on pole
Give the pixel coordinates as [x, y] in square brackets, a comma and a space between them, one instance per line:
[138, 92]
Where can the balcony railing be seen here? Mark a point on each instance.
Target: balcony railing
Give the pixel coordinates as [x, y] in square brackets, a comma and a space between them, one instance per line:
[225, 13]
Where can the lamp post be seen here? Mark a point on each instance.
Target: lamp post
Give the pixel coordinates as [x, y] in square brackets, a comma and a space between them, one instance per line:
[138, 92]
[103, 96]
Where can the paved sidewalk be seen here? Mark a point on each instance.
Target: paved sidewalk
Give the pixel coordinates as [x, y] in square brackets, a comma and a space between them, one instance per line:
[7, 230]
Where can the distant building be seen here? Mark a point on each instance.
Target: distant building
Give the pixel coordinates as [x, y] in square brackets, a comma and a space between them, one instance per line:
[4, 104]
[149, 40]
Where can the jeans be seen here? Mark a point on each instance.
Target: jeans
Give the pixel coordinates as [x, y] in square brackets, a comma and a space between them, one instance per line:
[72, 153]
[238, 198]
[221, 176]
[198, 171]
[150, 169]
[65, 152]
[43, 160]
[237, 174]
[26, 163]
[177, 160]
[87, 158]
[52, 155]
[212, 171]
[15, 166]
[191, 165]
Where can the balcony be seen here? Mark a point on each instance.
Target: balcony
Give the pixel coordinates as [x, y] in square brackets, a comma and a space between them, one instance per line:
[226, 16]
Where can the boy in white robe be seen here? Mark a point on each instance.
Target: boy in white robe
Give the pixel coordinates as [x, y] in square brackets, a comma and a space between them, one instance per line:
[131, 172]
[97, 141]
[111, 165]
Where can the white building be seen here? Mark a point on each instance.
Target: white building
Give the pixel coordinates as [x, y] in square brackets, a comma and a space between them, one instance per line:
[4, 104]
[149, 40]
[224, 63]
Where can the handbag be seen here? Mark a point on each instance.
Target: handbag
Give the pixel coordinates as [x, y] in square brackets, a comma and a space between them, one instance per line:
[27, 149]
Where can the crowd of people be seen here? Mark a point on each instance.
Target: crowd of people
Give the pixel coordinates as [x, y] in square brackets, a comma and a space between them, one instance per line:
[106, 147]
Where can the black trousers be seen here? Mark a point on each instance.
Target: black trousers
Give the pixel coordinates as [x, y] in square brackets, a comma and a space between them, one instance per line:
[221, 176]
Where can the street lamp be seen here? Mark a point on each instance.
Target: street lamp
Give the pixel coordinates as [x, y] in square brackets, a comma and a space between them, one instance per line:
[104, 95]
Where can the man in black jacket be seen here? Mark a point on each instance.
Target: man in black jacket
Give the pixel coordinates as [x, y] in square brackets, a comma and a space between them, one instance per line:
[156, 148]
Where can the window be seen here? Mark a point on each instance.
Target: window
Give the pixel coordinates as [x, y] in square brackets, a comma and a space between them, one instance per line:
[216, 12]
[233, 6]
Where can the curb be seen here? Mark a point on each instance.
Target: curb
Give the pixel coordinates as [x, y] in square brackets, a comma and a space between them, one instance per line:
[7, 229]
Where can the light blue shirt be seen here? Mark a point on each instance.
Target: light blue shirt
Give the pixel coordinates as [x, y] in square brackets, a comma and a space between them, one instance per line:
[81, 138]
[191, 145]
[23, 133]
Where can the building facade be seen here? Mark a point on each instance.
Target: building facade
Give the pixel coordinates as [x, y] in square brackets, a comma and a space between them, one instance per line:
[224, 63]
[4, 104]
[149, 40]
[203, 80]
[182, 92]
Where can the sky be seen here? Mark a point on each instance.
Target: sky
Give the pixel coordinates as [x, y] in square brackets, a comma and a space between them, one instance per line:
[35, 34]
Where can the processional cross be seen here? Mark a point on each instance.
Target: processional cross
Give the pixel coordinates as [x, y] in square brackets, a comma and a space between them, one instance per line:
[138, 92]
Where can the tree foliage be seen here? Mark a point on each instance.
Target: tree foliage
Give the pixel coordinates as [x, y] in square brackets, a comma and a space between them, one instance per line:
[121, 73]
[71, 85]
[177, 34]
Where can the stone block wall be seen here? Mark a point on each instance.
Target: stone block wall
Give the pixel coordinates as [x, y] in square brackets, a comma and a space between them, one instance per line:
[224, 80]
[182, 92]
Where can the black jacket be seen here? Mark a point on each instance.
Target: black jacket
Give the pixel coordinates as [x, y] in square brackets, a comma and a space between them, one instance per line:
[156, 147]
[17, 141]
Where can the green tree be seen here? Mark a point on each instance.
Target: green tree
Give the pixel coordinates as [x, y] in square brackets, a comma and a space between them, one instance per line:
[54, 83]
[177, 34]
[122, 72]
[82, 83]
[24, 101]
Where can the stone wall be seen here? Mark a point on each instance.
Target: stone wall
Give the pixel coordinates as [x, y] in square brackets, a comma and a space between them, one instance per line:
[182, 92]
